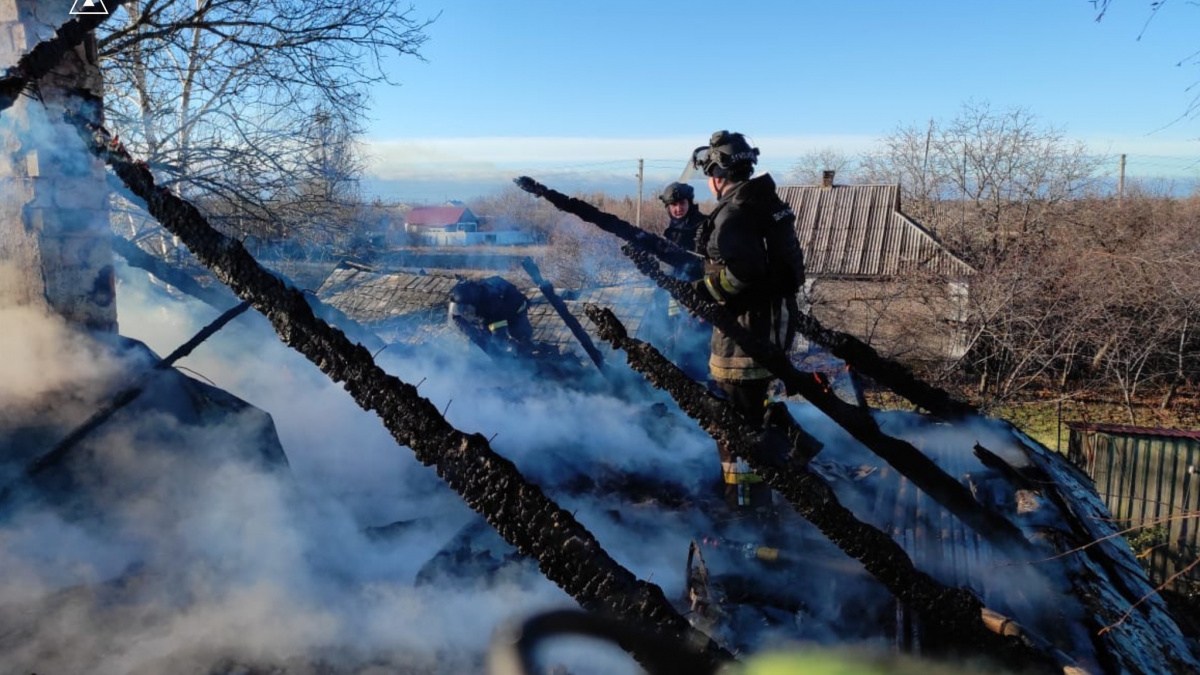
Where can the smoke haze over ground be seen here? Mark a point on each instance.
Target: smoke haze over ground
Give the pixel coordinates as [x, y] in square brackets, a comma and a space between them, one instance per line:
[189, 557]
[268, 567]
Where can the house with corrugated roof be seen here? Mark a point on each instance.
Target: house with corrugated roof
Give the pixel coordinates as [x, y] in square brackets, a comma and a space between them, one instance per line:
[876, 273]
[431, 224]
[455, 225]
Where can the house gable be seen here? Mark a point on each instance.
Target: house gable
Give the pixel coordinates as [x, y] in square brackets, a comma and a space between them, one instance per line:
[859, 231]
[440, 218]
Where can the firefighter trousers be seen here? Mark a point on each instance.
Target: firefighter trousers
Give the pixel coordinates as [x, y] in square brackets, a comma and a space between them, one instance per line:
[745, 491]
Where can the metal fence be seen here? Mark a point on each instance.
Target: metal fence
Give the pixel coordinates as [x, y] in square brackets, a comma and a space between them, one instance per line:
[1150, 479]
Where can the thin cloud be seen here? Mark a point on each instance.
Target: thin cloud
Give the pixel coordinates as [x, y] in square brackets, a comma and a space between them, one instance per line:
[494, 157]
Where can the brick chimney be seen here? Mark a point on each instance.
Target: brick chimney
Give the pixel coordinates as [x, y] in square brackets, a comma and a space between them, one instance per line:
[54, 219]
[827, 178]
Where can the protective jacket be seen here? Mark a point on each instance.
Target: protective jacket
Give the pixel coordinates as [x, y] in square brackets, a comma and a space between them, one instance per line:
[498, 306]
[738, 273]
[682, 232]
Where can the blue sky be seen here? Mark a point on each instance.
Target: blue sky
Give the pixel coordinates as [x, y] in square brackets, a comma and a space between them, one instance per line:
[575, 92]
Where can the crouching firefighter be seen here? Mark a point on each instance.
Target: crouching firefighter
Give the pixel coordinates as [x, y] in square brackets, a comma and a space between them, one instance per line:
[492, 312]
[753, 267]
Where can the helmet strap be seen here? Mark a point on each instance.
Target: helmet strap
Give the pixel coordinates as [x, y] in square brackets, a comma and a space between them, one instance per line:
[717, 185]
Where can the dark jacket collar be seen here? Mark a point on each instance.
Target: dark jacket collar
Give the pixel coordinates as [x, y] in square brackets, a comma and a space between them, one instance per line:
[749, 189]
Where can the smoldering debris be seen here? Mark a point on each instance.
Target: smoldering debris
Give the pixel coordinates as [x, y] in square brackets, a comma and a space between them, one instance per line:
[566, 551]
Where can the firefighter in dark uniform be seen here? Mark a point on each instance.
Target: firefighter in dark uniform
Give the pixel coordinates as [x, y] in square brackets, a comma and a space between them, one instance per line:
[492, 311]
[680, 200]
[749, 220]
[687, 336]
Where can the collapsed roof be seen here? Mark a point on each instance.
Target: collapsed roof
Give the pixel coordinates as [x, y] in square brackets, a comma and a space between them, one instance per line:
[1106, 617]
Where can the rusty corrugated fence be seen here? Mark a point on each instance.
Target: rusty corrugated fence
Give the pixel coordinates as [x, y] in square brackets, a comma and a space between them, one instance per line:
[1148, 477]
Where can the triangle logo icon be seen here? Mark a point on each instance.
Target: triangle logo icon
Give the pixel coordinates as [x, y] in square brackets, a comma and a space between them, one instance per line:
[89, 7]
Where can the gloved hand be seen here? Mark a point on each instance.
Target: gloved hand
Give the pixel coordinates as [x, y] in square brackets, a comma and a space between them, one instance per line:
[701, 290]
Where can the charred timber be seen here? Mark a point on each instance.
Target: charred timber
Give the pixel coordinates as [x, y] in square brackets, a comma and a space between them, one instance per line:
[219, 296]
[955, 613]
[861, 356]
[565, 314]
[901, 455]
[662, 247]
[1078, 537]
[216, 297]
[567, 553]
[45, 55]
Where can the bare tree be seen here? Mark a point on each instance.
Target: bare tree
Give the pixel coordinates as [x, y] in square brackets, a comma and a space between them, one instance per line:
[323, 206]
[985, 178]
[1104, 303]
[226, 98]
[810, 167]
[903, 157]
[513, 207]
[1191, 59]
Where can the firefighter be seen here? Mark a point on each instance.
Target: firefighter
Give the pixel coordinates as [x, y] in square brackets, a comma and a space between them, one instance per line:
[749, 221]
[680, 200]
[494, 311]
[687, 337]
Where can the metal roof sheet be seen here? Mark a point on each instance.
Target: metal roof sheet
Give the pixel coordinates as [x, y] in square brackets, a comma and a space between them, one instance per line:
[859, 231]
[629, 302]
[369, 297]
[410, 308]
[433, 216]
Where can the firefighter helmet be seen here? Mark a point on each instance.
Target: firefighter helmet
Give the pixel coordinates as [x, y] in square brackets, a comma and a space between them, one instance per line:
[727, 154]
[677, 192]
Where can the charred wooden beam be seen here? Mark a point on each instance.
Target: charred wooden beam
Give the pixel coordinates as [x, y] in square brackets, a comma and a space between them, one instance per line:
[217, 297]
[861, 356]
[566, 552]
[662, 247]
[44, 56]
[901, 455]
[1080, 537]
[565, 314]
[887, 372]
[955, 614]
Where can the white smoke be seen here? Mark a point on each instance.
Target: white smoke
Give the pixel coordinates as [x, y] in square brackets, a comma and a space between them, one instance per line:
[40, 354]
[189, 568]
[188, 562]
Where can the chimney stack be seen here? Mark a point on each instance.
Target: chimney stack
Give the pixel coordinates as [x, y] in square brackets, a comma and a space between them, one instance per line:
[55, 246]
[827, 178]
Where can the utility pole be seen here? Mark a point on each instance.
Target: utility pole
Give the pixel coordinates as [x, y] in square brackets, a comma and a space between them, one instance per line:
[641, 164]
[925, 162]
[964, 185]
[1121, 179]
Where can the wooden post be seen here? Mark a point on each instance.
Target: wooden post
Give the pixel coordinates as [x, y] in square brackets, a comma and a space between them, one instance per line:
[1121, 179]
[641, 164]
